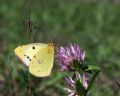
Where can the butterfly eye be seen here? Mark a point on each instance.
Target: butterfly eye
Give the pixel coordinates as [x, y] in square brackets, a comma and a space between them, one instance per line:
[50, 44]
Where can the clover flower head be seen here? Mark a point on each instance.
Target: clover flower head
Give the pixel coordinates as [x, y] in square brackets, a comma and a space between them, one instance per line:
[85, 81]
[71, 89]
[66, 56]
[71, 86]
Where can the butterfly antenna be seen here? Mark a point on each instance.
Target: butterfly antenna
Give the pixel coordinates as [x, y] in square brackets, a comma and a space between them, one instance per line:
[52, 37]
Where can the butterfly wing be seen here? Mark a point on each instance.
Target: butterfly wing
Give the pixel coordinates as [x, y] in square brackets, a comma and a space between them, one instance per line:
[26, 52]
[42, 63]
[19, 51]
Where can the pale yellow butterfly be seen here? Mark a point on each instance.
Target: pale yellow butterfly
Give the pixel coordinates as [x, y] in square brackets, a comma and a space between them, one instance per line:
[38, 57]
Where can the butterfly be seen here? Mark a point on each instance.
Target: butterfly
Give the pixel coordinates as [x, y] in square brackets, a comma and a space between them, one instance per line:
[39, 57]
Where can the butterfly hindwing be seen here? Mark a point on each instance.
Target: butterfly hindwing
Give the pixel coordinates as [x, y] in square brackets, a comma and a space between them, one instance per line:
[26, 52]
[42, 63]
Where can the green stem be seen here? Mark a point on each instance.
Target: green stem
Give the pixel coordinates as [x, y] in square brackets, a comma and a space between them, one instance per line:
[12, 79]
[93, 78]
[29, 86]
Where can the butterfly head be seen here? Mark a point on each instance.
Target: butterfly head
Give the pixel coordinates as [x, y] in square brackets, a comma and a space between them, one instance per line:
[51, 46]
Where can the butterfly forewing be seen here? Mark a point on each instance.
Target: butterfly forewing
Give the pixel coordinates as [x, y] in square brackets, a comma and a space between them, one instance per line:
[26, 52]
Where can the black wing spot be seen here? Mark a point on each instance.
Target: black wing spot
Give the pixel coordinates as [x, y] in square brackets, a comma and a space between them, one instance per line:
[24, 55]
[33, 47]
[28, 57]
[34, 56]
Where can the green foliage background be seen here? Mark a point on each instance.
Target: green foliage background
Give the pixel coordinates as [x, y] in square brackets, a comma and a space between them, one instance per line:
[94, 25]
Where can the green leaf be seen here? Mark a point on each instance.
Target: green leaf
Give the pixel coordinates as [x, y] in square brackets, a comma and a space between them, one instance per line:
[92, 79]
[89, 68]
[80, 89]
